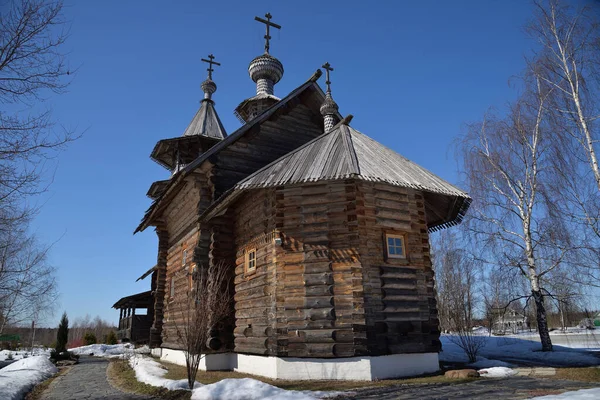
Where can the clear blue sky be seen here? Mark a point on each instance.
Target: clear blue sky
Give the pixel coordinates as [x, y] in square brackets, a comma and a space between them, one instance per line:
[411, 72]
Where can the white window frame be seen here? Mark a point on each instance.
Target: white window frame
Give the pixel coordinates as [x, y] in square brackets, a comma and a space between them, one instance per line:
[250, 262]
[394, 237]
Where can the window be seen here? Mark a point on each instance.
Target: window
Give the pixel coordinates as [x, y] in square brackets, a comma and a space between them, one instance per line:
[184, 258]
[395, 246]
[173, 286]
[251, 260]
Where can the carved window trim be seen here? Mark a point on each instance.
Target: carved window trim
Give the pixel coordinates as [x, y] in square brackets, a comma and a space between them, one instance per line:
[184, 257]
[250, 260]
[172, 288]
[393, 242]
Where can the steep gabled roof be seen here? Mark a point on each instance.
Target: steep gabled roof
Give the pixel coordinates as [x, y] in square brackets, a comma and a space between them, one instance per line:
[345, 153]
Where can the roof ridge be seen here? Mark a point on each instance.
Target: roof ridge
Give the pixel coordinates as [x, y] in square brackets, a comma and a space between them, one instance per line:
[349, 145]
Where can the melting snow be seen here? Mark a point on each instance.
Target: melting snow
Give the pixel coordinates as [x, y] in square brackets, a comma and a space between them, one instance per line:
[152, 373]
[496, 372]
[19, 377]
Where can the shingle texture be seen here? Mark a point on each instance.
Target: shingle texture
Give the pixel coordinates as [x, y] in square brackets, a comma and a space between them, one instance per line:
[346, 153]
[206, 122]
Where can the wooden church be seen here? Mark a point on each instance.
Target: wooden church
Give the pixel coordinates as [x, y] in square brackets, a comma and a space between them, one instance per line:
[326, 232]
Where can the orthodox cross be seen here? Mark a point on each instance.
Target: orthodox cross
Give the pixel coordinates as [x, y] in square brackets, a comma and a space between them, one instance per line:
[210, 64]
[328, 68]
[268, 23]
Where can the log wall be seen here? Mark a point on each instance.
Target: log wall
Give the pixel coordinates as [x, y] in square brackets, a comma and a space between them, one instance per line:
[400, 308]
[181, 218]
[328, 290]
[254, 225]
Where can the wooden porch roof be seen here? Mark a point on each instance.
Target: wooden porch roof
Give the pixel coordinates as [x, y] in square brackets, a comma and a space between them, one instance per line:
[139, 300]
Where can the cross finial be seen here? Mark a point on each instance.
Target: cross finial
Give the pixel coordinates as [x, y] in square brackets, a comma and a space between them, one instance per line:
[210, 64]
[328, 68]
[268, 23]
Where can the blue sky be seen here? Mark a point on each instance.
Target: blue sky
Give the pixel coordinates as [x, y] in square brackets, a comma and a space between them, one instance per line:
[411, 72]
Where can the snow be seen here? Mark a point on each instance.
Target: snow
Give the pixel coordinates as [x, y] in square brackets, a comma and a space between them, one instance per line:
[496, 372]
[19, 377]
[246, 389]
[152, 373]
[110, 350]
[585, 394]
[19, 354]
[515, 349]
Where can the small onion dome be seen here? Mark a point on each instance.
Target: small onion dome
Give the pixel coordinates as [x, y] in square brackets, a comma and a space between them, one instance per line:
[267, 67]
[208, 87]
[329, 106]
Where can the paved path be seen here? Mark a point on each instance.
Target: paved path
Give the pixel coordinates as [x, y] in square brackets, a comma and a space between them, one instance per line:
[86, 380]
[513, 388]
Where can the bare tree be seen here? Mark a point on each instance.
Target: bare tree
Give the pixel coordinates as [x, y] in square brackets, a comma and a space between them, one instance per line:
[32, 66]
[568, 61]
[27, 280]
[205, 307]
[505, 161]
[457, 281]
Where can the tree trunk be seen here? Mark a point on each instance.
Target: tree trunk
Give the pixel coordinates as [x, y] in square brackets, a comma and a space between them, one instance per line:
[541, 320]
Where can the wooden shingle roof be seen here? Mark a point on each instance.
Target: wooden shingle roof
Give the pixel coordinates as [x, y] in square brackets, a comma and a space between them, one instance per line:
[206, 122]
[345, 153]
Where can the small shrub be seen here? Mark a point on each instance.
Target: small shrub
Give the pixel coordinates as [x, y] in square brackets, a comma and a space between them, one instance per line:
[111, 338]
[89, 338]
[10, 356]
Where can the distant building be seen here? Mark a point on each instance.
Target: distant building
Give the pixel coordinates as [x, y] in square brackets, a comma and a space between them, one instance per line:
[509, 321]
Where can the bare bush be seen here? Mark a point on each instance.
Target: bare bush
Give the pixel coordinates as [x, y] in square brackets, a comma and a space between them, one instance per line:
[206, 306]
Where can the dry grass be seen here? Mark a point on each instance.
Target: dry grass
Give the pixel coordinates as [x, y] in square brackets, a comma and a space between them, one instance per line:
[36, 392]
[175, 371]
[591, 374]
[122, 376]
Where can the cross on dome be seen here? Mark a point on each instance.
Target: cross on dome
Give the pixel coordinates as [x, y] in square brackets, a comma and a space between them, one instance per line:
[210, 64]
[268, 23]
[327, 68]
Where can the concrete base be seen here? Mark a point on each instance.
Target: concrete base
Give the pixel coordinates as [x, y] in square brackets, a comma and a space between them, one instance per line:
[353, 368]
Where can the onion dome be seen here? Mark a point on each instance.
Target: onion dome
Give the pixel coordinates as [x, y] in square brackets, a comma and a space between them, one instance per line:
[208, 87]
[265, 70]
[329, 108]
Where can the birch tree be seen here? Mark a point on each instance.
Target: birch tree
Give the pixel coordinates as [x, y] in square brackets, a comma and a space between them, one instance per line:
[505, 162]
[568, 61]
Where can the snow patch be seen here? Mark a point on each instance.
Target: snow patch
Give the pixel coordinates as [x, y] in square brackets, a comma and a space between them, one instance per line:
[246, 389]
[584, 394]
[19, 377]
[496, 372]
[20, 354]
[110, 350]
[518, 350]
[152, 373]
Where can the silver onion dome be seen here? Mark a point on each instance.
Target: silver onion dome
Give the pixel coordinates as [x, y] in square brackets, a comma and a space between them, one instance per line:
[208, 87]
[329, 106]
[265, 70]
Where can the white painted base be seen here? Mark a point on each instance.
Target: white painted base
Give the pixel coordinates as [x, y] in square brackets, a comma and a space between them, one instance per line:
[354, 368]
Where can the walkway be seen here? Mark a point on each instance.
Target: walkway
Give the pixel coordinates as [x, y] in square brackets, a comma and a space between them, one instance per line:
[514, 388]
[86, 380]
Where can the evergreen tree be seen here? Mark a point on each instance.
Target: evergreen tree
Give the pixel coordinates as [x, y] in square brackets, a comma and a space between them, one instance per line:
[111, 338]
[62, 336]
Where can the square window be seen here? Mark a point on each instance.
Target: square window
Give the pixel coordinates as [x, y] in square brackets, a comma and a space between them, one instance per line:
[395, 246]
[251, 260]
